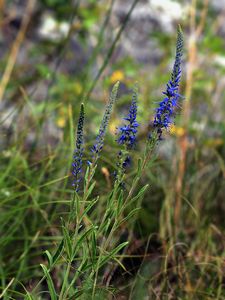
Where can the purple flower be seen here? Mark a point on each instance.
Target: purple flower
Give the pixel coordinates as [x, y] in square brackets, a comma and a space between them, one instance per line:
[127, 133]
[165, 112]
[127, 136]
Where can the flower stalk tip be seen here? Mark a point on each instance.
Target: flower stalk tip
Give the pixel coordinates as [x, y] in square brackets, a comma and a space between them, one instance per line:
[78, 153]
[97, 147]
[127, 136]
[166, 110]
[127, 133]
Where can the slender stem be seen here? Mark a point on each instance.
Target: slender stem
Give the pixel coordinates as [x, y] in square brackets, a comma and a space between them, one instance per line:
[104, 247]
[74, 237]
[150, 145]
[111, 50]
[97, 47]
[65, 279]
[16, 47]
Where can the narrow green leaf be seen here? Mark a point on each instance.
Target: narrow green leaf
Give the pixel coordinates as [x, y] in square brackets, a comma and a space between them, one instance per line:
[139, 165]
[94, 245]
[86, 175]
[76, 295]
[74, 205]
[28, 297]
[89, 175]
[90, 190]
[58, 252]
[67, 240]
[140, 194]
[51, 287]
[110, 197]
[120, 203]
[50, 259]
[81, 239]
[129, 216]
[112, 253]
[89, 207]
[120, 263]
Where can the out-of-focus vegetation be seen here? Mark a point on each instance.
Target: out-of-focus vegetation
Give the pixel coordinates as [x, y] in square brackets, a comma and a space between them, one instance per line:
[56, 54]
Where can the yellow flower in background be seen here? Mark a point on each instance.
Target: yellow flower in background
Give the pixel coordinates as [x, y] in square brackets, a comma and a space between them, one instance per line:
[61, 122]
[62, 115]
[117, 76]
[176, 130]
[113, 125]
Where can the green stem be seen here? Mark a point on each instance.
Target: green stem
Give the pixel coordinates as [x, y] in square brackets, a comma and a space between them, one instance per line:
[111, 50]
[62, 296]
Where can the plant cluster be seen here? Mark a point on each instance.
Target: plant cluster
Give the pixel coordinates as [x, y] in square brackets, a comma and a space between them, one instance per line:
[88, 247]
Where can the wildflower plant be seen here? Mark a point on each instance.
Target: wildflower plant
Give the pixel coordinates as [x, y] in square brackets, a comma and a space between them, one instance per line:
[166, 109]
[88, 246]
[127, 135]
[97, 147]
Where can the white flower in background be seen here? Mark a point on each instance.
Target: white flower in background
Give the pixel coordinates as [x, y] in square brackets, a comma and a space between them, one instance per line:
[219, 60]
[199, 126]
[172, 8]
[52, 29]
[168, 11]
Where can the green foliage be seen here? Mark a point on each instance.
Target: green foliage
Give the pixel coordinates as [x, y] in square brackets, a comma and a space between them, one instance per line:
[50, 283]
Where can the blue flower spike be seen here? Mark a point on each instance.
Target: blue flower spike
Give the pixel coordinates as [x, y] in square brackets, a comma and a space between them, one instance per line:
[127, 135]
[166, 111]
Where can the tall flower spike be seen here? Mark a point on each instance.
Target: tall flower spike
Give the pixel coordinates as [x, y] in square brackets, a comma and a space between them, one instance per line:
[96, 149]
[127, 133]
[78, 153]
[127, 136]
[166, 110]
